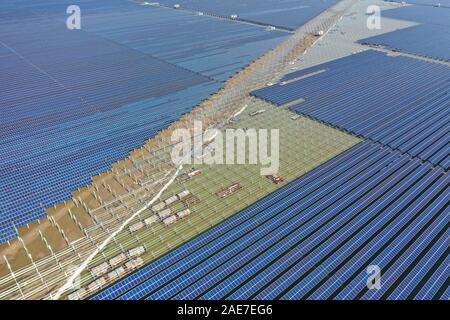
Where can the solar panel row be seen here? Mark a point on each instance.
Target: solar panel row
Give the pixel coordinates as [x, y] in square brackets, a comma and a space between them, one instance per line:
[315, 238]
[345, 62]
[74, 101]
[285, 13]
[432, 31]
[435, 3]
[397, 101]
[213, 47]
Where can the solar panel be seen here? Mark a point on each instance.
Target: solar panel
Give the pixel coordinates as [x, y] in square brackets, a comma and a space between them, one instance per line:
[402, 104]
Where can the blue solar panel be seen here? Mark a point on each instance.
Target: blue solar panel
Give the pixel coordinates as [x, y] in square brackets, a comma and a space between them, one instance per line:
[315, 237]
[438, 284]
[432, 31]
[435, 3]
[349, 213]
[210, 46]
[354, 61]
[427, 244]
[221, 233]
[369, 254]
[403, 103]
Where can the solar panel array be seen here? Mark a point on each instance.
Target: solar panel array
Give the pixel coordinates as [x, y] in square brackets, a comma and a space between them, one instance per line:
[74, 101]
[398, 101]
[316, 237]
[433, 32]
[436, 3]
[281, 13]
[213, 47]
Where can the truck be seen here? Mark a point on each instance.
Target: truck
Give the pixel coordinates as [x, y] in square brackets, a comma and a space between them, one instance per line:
[319, 33]
[116, 274]
[195, 172]
[191, 201]
[97, 284]
[275, 178]
[134, 264]
[189, 175]
[183, 194]
[78, 295]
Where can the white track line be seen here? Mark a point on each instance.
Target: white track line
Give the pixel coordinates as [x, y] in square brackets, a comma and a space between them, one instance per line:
[84, 265]
[240, 111]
